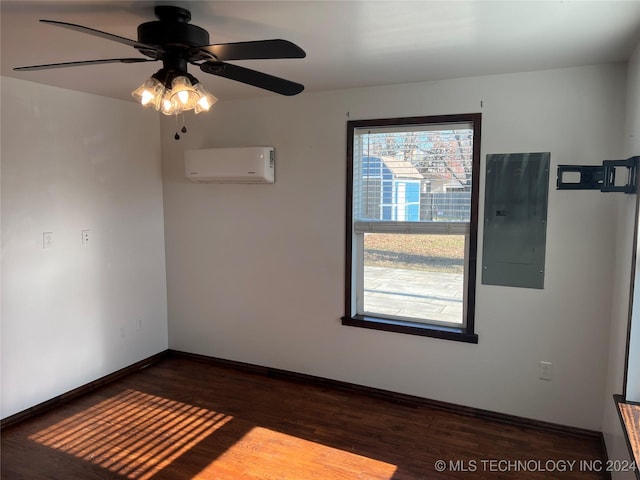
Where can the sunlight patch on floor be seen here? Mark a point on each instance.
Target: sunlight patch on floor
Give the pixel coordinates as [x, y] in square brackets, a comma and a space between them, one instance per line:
[133, 434]
[264, 453]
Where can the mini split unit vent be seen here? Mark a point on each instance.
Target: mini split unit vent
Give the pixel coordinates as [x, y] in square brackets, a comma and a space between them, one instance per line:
[230, 165]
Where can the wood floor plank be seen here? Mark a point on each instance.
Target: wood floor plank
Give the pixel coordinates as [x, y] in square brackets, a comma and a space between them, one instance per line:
[186, 419]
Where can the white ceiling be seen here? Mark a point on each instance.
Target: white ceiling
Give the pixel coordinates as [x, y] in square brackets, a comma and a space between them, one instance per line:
[348, 43]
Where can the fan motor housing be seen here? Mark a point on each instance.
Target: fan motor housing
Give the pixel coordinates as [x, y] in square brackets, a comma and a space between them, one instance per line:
[172, 34]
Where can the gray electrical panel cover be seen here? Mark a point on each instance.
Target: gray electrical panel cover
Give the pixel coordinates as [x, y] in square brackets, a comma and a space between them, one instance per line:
[515, 219]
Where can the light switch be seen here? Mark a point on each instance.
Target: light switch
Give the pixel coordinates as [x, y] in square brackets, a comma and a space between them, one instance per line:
[47, 240]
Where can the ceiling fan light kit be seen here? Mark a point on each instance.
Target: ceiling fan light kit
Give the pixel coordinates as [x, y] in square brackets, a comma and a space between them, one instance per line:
[172, 92]
[177, 43]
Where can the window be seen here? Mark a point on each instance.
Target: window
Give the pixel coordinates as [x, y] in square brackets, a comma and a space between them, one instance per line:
[412, 224]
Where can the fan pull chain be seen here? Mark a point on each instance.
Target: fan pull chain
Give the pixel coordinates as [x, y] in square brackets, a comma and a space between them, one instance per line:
[183, 129]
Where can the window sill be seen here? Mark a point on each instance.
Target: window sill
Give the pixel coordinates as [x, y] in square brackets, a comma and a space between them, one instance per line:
[629, 413]
[411, 328]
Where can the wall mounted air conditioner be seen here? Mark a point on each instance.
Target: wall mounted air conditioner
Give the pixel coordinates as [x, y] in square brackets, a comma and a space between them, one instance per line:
[230, 165]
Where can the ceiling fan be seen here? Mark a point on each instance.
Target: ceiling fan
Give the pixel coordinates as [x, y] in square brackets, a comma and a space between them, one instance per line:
[174, 41]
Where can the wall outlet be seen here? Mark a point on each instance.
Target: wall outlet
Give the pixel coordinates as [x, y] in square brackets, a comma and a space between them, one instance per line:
[545, 370]
[85, 237]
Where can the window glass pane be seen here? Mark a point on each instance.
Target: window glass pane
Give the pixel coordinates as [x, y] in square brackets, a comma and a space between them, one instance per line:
[414, 276]
[422, 174]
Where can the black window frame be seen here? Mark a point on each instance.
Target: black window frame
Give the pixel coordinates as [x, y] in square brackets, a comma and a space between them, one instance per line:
[465, 333]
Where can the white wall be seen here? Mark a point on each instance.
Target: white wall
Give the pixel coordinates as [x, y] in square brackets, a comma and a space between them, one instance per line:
[256, 272]
[71, 314]
[626, 207]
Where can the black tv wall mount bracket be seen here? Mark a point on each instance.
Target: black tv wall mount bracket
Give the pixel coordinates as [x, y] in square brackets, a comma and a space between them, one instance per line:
[596, 177]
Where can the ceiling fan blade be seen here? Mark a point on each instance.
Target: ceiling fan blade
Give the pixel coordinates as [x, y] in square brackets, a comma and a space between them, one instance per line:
[252, 77]
[108, 36]
[82, 63]
[255, 50]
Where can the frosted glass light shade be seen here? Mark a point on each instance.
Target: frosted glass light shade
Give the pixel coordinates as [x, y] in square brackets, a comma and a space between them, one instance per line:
[206, 100]
[150, 93]
[169, 104]
[183, 93]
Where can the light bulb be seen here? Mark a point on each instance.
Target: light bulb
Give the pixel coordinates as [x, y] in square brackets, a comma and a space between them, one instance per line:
[183, 96]
[204, 103]
[147, 96]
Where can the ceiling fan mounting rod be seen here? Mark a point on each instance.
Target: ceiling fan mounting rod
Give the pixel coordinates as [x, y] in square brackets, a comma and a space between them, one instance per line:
[172, 14]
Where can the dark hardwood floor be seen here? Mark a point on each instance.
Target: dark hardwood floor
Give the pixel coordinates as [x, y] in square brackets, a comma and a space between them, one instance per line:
[183, 419]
